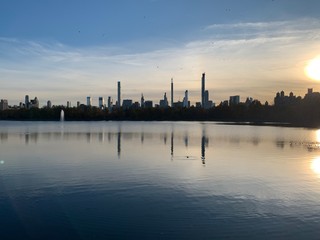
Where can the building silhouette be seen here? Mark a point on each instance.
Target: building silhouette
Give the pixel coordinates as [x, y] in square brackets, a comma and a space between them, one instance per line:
[186, 102]
[31, 104]
[171, 92]
[89, 101]
[148, 104]
[203, 87]
[26, 101]
[109, 103]
[142, 101]
[4, 104]
[49, 104]
[234, 100]
[164, 102]
[101, 102]
[119, 95]
[127, 103]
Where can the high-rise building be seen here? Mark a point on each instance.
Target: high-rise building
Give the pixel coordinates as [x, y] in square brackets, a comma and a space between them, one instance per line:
[34, 103]
[4, 104]
[26, 102]
[49, 104]
[68, 104]
[142, 101]
[148, 104]
[171, 92]
[206, 99]
[78, 104]
[101, 102]
[234, 100]
[185, 99]
[109, 103]
[127, 103]
[164, 102]
[89, 101]
[203, 88]
[119, 95]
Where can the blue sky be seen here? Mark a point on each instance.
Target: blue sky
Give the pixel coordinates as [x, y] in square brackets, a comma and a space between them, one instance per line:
[67, 50]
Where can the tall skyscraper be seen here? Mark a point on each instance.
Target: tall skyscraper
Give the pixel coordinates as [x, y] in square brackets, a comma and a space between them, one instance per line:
[109, 103]
[203, 88]
[142, 101]
[119, 95]
[185, 99]
[26, 101]
[171, 92]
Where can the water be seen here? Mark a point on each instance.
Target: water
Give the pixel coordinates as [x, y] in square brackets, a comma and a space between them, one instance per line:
[158, 180]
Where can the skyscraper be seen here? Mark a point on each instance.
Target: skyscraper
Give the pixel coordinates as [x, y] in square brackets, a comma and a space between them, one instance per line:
[119, 95]
[142, 101]
[26, 101]
[203, 88]
[171, 92]
[89, 101]
[185, 99]
[109, 103]
[101, 102]
[4, 104]
[164, 102]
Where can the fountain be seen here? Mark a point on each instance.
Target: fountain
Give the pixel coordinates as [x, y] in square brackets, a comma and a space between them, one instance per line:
[62, 115]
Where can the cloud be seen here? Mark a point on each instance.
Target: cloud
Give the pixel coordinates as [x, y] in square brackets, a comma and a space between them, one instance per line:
[254, 59]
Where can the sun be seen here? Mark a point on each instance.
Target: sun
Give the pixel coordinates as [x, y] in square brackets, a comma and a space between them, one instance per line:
[312, 69]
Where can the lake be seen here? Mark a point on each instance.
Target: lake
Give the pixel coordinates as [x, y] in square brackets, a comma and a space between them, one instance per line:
[158, 180]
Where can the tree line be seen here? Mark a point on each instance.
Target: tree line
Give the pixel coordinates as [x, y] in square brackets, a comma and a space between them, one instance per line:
[302, 113]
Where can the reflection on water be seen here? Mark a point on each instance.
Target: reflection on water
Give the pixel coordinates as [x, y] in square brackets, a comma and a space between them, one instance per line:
[315, 165]
[132, 180]
[92, 137]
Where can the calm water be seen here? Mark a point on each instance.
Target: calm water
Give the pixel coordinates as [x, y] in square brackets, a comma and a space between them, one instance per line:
[158, 180]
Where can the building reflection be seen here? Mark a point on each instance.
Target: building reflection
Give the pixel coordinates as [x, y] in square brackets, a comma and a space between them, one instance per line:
[119, 141]
[31, 137]
[186, 139]
[4, 137]
[101, 137]
[116, 136]
[204, 144]
[172, 144]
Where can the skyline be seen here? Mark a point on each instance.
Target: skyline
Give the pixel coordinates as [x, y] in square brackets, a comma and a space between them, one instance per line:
[117, 102]
[79, 49]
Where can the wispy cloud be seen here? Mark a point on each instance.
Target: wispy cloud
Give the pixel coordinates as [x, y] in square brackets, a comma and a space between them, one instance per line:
[254, 59]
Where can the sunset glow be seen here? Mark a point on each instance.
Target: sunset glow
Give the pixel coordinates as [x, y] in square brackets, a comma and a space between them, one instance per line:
[315, 165]
[313, 69]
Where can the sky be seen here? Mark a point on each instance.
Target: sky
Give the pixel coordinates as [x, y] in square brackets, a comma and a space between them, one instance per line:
[68, 50]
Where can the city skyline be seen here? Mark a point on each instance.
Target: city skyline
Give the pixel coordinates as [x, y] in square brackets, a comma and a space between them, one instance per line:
[113, 103]
[251, 49]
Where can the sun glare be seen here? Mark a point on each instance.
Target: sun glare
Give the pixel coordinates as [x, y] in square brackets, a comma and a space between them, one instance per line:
[312, 70]
[315, 166]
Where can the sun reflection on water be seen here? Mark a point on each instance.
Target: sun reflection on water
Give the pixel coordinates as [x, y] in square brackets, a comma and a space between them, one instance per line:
[315, 165]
